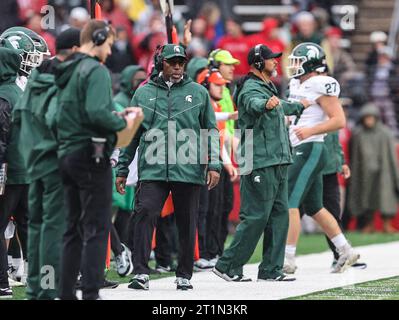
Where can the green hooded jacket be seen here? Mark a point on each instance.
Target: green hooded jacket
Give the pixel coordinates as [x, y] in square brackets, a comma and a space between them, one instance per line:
[35, 112]
[335, 158]
[195, 65]
[124, 96]
[10, 62]
[85, 105]
[187, 106]
[271, 145]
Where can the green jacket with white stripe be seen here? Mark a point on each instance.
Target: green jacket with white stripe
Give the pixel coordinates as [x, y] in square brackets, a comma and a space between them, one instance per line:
[173, 155]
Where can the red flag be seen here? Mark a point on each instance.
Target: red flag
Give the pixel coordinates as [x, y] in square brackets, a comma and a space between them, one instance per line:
[108, 257]
[97, 13]
[175, 37]
[95, 10]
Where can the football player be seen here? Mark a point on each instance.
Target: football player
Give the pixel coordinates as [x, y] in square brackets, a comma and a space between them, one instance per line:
[307, 62]
[23, 50]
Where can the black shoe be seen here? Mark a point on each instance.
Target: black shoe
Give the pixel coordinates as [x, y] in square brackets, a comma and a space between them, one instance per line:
[5, 293]
[154, 271]
[162, 269]
[108, 284]
[359, 265]
[235, 278]
[140, 282]
[183, 284]
[281, 277]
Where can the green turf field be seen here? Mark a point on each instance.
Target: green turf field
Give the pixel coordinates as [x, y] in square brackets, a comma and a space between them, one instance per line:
[311, 243]
[385, 289]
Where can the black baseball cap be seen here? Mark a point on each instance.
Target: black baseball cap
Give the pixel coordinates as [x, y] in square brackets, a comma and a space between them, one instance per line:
[67, 39]
[265, 53]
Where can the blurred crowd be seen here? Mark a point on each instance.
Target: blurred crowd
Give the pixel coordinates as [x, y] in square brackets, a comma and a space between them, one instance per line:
[140, 28]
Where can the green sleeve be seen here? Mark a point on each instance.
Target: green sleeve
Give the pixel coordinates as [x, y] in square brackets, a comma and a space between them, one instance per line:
[254, 102]
[127, 154]
[292, 108]
[99, 105]
[50, 116]
[208, 121]
[118, 107]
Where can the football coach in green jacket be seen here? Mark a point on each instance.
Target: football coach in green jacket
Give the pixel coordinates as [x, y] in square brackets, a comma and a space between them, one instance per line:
[35, 113]
[264, 189]
[87, 131]
[175, 108]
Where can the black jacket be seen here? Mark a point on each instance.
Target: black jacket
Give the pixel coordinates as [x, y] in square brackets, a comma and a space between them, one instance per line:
[5, 125]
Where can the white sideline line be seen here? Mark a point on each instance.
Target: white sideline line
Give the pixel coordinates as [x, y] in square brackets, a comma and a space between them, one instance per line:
[313, 275]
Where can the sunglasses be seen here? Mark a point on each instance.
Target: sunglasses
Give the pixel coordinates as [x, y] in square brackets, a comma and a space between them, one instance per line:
[179, 61]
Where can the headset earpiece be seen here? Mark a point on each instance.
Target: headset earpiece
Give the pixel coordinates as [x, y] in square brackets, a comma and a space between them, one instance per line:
[259, 62]
[158, 59]
[210, 70]
[212, 63]
[205, 83]
[99, 36]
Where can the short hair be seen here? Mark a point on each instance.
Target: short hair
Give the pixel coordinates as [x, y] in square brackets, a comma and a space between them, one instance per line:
[86, 35]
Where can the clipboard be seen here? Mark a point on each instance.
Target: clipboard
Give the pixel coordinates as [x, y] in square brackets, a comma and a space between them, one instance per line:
[126, 135]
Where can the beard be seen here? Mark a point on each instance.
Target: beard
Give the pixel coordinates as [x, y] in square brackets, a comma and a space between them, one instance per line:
[173, 80]
[270, 73]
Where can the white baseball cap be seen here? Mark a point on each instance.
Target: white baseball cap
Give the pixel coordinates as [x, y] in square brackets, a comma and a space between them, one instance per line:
[378, 36]
[80, 14]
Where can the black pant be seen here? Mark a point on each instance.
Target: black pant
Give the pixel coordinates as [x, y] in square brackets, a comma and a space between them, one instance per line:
[116, 245]
[331, 201]
[121, 224]
[14, 202]
[150, 198]
[202, 214]
[227, 206]
[165, 237]
[88, 199]
[214, 217]
[14, 248]
[214, 210]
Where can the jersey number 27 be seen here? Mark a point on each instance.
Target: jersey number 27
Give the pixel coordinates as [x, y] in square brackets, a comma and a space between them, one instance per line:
[331, 87]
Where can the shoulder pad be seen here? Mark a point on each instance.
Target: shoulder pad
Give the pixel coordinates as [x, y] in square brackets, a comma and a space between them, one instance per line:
[325, 85]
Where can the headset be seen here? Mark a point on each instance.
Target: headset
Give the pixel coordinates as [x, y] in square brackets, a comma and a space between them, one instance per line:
[99, 36]
[158, 65]
[212, 63]
[205, 83]
[158, 58]
[259, 62]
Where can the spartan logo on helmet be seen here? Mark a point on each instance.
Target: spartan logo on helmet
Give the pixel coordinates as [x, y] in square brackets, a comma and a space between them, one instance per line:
[25, 47]
[31, 46]
[176, 49]
[313, 52]
[38, 41]
[14, 41]
[305, 58]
